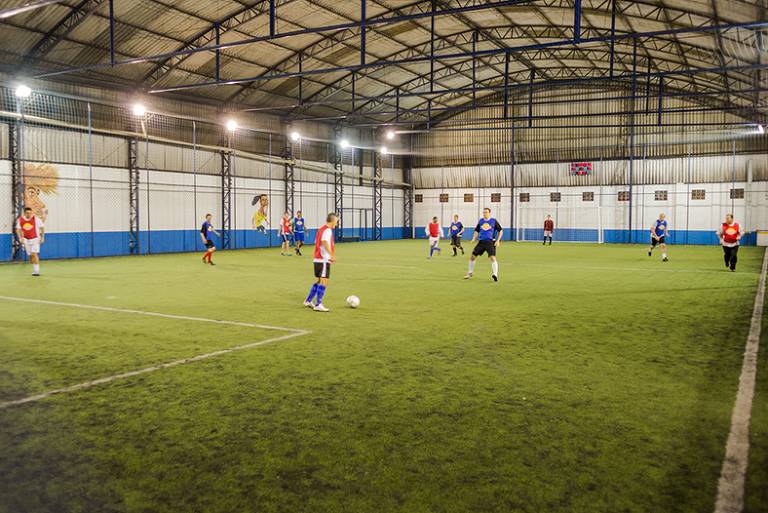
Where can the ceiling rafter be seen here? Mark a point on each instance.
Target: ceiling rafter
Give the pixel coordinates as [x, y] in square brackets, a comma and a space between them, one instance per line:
[62, 29]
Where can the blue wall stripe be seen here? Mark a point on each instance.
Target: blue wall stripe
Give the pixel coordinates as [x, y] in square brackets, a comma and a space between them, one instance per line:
[86, 244]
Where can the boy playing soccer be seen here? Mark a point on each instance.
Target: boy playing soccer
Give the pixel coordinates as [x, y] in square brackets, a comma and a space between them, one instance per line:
[457, 230]
[659, 236]
[205, 234]
[298, 232]
[31, 233]
[325, 255]
[433, 231]
[488, 233]
[285, 235]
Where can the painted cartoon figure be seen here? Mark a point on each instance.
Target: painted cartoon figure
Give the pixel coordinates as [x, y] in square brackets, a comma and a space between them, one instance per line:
[39, 178]
[261, 217]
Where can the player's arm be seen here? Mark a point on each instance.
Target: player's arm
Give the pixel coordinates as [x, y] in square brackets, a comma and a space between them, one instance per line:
[327, 246]
[720, 235]
[461, 232]
[202, 236]
[477, 232]
[42, 233]
[500, 232]
[19, 232]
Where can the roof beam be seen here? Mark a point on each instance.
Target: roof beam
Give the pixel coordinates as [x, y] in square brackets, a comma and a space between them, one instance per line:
[62, 29]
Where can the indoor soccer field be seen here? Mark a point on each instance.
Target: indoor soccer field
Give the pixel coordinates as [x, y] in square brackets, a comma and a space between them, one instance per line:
[590, 378]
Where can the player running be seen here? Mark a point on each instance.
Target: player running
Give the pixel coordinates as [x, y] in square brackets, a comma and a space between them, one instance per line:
[31, 233]
[205, 234]
[298, 232]
[434, 232]
[457, 230]
[659, 234]
[325, 255]
[549, 229]
[285, 235]
[488, 233]
[730, 235]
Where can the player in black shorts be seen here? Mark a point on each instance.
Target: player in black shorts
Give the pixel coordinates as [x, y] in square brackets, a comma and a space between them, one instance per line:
[205, 234]
[488, 233]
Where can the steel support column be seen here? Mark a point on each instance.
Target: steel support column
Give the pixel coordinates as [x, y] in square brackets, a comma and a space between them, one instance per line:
[408, 196]
[378, 175]
[17, 185]
[338, 184]
[226, 199]
[133, 196]
[290, 179]
[632, 138]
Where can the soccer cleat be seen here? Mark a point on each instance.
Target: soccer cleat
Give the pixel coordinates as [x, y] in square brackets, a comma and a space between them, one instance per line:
[320, 308]
[665, 259]
[35, 274]
[309, 304]
[495, 278]
[733, 270]
[649, 253]
[468, 276]
[211, 262]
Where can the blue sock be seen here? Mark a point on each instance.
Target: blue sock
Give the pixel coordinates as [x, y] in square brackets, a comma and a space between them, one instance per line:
[320, 294]
[312, 292]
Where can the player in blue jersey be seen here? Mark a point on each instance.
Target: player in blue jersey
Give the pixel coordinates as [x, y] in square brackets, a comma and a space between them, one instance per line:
[205, 234]
[298, 232]
[456, 231]
[659, 236]
[488, 233]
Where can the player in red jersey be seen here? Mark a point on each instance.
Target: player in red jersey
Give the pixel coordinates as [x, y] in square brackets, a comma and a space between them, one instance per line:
[31, 233]
[730, 235]
[434, 232]
[325, 255]
[285, 234]
[549, 229]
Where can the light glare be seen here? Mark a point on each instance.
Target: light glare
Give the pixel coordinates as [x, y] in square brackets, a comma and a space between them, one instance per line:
[23, 91]
[232, 125]
[384, 150]
[390, 135]
[139, 110]
[295, 136]
[344, 144]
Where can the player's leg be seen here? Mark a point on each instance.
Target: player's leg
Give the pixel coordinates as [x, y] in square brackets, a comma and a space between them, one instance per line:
[727, 256]
[734, 257]
[460, 246]
[652, 246]
[494, 267]
[663, 247]
[312, 294]
[550, 238]
[478, 251]
[325, 275]
[34, 259]
[544, 243]
[454, 245]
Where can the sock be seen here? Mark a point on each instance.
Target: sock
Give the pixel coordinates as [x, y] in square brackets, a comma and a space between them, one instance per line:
[431, 250]
[495, 268]
[320, 294]
[471, 266]
[312, 292]
[209, 255]
[663, 255]
[454, 251]
[36, 268]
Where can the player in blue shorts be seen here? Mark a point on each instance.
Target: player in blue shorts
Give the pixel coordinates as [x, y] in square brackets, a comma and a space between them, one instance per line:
[488, 233]
[659, 236]
[298, 232]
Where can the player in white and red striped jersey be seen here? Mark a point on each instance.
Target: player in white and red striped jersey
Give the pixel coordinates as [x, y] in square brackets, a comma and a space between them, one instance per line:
[31, 233]
[325, 255]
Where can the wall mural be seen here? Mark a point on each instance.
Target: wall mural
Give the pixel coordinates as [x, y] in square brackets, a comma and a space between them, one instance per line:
[39, 179]
[261, 216]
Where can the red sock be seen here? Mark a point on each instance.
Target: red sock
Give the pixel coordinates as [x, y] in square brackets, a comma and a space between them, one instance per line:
[209, 257]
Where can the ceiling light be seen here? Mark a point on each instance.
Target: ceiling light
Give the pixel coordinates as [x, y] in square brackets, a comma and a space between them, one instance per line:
[232, 125]
[139, 110]
[760, 129]
[384, 150]
[390, 135]
[344, 144]
[23, 91]
[295, 136]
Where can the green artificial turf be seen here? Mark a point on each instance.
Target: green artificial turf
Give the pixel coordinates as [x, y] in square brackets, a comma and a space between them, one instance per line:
[589, 379]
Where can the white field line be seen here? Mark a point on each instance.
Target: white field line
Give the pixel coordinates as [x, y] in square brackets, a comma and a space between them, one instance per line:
[730, 487]
[182, 361]
[638, 269]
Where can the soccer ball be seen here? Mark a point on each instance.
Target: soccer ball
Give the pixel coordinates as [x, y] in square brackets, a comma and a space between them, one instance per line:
[353, 301]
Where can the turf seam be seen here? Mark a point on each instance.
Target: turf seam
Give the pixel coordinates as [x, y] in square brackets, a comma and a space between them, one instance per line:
[293, 332]
[730, 487]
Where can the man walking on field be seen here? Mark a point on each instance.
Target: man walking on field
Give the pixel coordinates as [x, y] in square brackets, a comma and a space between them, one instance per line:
[730, 235]
[488, 233]
[31, 233]
[659, 234]
[434, 232]
[205, 234]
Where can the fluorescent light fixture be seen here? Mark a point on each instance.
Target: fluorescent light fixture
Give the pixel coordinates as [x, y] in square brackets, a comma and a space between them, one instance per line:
[390, 135]
[760, 129]
[23, 91]
[383, 150]
[139, 110]
[295, 136]
[344, 144]
[232, 125]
